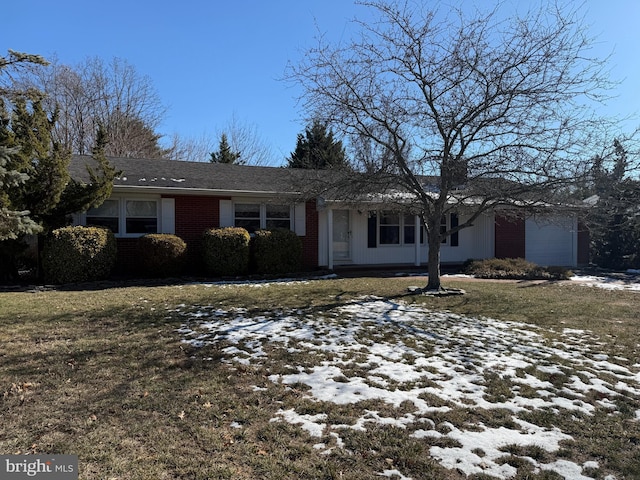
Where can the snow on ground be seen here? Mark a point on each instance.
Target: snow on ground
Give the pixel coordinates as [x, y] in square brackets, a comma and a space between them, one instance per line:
[630, 282]
[383, 350]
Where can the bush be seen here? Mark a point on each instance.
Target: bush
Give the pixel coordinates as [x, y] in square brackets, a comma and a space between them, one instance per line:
[515, 268]
[225, 251]
[277, 251]
[79, 254]
[162, 255]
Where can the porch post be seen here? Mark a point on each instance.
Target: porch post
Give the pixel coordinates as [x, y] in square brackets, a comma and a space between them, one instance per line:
[330, 238]
[417, 225]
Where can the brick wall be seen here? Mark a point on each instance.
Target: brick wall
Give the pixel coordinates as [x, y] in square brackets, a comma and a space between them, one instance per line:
[127, 260]
[583, 244]
[194, 215]
[509, 237]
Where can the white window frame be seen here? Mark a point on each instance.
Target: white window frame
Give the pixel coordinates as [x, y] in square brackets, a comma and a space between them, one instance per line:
[419, 236]
[260, 213]
[263, 212]
[445, 223]
[122, 214]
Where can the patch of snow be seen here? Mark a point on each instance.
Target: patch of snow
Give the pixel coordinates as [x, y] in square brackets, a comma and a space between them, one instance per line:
[608, 283]
[490, 441]
[568, 470]
[363, 354]
[393, 474]
[306, 422]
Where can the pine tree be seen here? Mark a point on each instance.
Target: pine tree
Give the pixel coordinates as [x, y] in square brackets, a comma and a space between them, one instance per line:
[317, 149]
[224, 153]
[39, 157]
[13, 223]
[36, 191]
[79, 196]
[615, 221]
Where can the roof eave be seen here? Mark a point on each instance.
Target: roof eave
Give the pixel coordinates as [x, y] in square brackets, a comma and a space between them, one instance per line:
[201, 191]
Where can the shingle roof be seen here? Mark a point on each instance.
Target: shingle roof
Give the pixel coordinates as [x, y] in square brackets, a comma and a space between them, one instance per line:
[214, 177]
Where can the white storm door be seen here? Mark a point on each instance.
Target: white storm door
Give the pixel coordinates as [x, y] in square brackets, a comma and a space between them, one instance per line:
[341, 235]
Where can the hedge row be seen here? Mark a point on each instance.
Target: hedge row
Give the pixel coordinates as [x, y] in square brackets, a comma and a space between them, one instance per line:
[514, 269]
[231, 251]
[80, 254]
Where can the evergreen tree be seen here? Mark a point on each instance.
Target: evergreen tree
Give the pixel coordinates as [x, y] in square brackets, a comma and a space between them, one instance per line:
[225, 154]
[13, 223]
[317, 149]
[36, 191]
[36, 155]
[79, 196]
[614, 223]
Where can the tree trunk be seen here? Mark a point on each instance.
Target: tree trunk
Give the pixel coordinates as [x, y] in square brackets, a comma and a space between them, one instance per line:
[434, 263]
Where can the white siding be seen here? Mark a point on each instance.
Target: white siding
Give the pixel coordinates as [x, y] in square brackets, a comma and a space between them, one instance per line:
[551, 242]
[474, 242]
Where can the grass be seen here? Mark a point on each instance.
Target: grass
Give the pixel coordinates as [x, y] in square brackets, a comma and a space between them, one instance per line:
[103, 374]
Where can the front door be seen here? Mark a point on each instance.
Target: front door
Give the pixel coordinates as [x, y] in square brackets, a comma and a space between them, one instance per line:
[341, 235]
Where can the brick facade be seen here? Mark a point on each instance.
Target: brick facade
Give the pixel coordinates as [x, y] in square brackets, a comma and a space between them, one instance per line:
[509, 237]
[127, 259]
[583, 244]
[194, 215]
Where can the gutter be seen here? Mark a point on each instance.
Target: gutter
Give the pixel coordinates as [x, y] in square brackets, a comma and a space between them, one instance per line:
[201, 191]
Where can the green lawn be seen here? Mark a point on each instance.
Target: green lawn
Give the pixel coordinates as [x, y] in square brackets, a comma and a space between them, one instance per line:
[178, 381]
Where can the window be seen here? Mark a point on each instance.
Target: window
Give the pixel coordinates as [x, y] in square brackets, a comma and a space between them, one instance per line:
[247, 216]
[141, 216]
[106, 215]
[125, 216]
[448, 222]
[389, 228]
[278, 216]
[385, 228]
[254, 216]
[410, 230]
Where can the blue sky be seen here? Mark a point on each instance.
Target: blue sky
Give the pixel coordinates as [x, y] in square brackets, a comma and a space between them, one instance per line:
[211, 60]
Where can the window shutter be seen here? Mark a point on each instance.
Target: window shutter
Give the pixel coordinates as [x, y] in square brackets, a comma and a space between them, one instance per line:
[372, 230]
[168, 215]
[455, 241]
[299, 219]
[226, 213]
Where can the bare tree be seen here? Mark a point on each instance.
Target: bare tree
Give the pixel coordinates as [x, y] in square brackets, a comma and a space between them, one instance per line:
[245, 138]
[192, 149]
[242, 136]
[467, 112]
[94, 92]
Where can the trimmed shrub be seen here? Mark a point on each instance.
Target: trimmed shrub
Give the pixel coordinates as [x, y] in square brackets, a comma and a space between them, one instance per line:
[225, 251]
[162, 255]
[516, 269]
[79, 254]
[276, 251]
